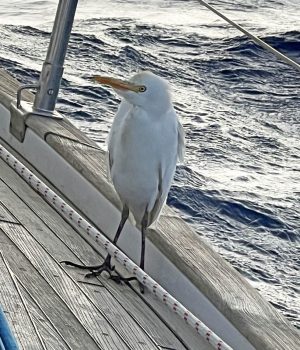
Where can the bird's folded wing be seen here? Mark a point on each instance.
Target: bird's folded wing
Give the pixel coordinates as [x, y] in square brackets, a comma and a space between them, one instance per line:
[117, 122]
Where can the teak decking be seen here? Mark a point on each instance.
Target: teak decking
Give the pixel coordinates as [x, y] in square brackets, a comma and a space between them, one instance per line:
[54, 307]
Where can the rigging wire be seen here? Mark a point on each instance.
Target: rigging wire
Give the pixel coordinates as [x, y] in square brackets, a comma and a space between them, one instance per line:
[256, 39]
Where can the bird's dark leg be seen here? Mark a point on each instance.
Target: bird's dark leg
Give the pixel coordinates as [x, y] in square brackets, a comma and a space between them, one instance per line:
[144, 226]
[96, 270]
[142, 261]
[143, 233]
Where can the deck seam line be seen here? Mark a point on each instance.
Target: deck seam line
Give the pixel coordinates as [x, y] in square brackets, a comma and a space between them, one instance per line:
[5, 207]
[10, 222]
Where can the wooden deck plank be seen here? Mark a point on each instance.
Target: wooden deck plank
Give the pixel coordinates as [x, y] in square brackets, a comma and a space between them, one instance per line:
[130, 330]
[50, 302]
[134, 334]
[50, 335]
[93, 321]
[52, 227]
[5, 215]
[15, 311]
[188, 337]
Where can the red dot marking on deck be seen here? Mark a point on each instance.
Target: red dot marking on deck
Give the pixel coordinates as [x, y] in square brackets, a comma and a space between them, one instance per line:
[185, 316]
[208, 335]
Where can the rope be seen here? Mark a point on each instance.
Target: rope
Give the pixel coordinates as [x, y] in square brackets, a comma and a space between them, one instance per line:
[258, 41]
[70, 214]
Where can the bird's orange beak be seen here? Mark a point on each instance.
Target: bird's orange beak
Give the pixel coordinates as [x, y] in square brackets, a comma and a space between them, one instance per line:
[117, 83]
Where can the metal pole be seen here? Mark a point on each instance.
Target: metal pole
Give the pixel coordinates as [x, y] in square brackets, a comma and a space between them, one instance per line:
[45, 99]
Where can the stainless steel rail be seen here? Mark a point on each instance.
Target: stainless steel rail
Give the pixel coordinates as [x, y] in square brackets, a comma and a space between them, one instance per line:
[49, 82]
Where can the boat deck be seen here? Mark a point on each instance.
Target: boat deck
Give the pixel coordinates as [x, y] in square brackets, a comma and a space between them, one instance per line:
[50, 306]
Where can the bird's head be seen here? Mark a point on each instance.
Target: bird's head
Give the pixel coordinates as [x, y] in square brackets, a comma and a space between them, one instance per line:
[144, 89]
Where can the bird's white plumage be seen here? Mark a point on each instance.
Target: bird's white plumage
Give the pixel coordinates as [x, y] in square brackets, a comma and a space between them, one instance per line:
[145, 142]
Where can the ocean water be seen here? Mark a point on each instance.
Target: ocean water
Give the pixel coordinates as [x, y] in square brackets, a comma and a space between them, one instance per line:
[240, 184]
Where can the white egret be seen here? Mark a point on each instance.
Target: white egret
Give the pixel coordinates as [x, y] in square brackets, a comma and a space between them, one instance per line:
[145, 141]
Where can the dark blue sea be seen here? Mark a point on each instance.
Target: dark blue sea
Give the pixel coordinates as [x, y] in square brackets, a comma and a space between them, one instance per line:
[240, 184]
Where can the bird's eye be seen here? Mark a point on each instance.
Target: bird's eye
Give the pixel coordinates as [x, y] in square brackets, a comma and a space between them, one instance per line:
[142, 88]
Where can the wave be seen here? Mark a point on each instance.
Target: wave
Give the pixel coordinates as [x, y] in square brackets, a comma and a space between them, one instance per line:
[287, 42]
[206, 204]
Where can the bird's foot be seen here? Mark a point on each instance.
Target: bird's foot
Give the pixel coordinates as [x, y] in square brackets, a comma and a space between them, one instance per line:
[119, 279]
[142, 288]
[96, 270]
[99, 270]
